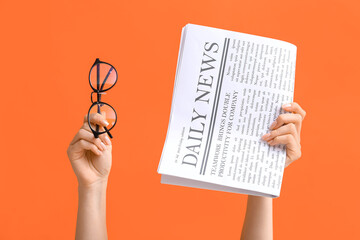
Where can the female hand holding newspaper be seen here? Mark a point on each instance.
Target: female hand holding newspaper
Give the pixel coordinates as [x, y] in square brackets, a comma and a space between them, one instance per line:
[286, 130]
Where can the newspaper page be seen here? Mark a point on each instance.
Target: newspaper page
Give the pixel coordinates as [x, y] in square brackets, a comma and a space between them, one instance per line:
[229, 88]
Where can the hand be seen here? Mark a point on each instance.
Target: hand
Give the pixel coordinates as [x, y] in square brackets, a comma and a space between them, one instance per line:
[90, 157]
[286, 130]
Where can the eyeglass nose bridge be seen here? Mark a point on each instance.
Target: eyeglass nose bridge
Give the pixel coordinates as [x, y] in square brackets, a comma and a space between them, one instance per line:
[98, 96]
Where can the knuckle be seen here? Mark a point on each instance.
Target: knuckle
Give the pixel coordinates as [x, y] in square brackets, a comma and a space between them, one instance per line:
[94, 148]
[92, 116]
[98, 116]
[292, 127]
[299, 118]
[281, 117]
[97, 141]
[288, 138]
[299, 154]
[82, 142]
[81, 132]
[274, 133]
[85, 127]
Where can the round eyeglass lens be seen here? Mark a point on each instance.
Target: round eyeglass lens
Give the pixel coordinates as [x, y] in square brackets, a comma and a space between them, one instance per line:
[107, 111]
[102, 76]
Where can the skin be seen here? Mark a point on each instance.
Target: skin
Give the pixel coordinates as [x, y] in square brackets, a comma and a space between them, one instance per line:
[286, 129]
[91, 161]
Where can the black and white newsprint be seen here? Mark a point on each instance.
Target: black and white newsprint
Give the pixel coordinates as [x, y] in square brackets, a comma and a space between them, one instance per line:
[229, 88]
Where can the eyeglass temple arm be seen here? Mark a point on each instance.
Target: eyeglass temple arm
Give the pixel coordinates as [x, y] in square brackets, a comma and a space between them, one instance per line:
[96, 135]
[107, 131]
[107, 76]
[97, 126]
[98, 85]
[102, 86]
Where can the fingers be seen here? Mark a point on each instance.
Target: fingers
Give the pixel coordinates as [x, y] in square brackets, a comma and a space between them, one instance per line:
[295, 108]
[286, 118]
[297, 116]
[104, 138]
[287, 139]
[85, 145]
[286, 130]
[103, 113]
[293, 148]
[97, 119]
[83, 134]
[283, 130]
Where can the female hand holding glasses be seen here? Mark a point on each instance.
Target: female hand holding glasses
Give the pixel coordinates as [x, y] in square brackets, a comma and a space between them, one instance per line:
[90, 155]
[91, 159]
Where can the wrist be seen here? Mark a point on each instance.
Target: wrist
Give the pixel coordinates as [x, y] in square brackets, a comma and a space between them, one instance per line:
[95, 187]
[259, 200]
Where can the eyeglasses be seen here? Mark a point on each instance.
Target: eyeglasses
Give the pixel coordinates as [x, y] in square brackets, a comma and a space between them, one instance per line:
[102, 77]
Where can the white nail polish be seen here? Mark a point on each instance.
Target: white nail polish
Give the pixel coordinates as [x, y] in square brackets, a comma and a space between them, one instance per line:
[107, 140]
[287, 105]
[103, 145]
[266, 136]
[273, 124]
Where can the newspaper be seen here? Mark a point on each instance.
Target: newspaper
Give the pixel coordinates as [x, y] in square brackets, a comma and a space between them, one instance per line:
[229, 88]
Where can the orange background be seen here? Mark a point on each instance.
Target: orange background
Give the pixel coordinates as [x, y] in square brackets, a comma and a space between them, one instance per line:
[47, 48]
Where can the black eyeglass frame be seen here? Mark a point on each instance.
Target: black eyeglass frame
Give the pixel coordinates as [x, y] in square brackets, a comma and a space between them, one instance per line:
[99, 91]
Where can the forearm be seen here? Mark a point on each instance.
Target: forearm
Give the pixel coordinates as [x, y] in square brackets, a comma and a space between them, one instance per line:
[258, 223]
[91, 218]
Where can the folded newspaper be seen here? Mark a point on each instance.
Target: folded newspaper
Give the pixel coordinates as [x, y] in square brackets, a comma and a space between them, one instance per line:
[229, 88]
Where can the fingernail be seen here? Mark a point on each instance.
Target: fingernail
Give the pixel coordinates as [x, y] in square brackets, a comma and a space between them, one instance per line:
[270, 142]
[273, 125]
[266, 136]
[287, 105]
[105, 122]
[99, 152]
[103, 145]
[107, 140]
